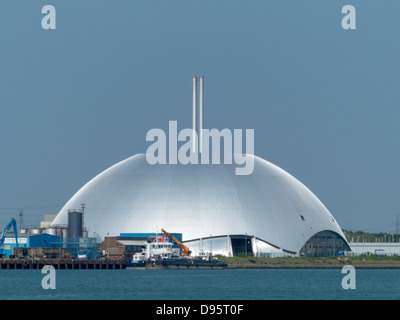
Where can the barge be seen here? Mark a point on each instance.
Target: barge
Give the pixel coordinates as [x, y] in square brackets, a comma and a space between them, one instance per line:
[161, 255]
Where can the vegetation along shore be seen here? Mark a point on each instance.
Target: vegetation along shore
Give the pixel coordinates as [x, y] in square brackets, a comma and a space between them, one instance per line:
[367, 262]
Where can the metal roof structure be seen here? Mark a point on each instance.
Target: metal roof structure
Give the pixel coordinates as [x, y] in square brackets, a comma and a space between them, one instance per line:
[202, 201]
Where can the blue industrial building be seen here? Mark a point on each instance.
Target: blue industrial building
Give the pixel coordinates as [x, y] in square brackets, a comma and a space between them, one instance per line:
[42, 240]
[79, 246]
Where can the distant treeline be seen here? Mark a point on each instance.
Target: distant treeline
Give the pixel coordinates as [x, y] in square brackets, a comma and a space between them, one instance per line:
[361, 236]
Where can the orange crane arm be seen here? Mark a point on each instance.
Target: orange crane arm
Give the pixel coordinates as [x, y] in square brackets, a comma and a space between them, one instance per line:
[185, 250]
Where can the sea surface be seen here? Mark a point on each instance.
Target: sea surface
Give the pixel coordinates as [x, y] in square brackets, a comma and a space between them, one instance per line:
[282, 284]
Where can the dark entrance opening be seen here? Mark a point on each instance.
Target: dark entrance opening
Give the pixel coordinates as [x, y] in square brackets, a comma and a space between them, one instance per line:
[323, 244]
[241, 245]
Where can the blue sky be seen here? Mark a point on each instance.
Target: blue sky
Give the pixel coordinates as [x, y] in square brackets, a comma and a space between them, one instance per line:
[324, 102]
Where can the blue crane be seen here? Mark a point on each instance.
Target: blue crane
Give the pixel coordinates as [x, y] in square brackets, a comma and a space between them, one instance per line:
[13, 224]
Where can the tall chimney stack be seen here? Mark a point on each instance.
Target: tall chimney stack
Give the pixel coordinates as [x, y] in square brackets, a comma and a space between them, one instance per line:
[201, 100]
[194, 113]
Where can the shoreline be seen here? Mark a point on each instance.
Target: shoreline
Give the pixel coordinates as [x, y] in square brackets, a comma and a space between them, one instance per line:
[356, 266]
[369, 262]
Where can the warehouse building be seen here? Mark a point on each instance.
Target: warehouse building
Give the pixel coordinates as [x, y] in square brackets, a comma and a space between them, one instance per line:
[26, 241]
[374, 248]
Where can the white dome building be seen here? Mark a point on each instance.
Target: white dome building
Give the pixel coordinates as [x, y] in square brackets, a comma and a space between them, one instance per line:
[267, 212]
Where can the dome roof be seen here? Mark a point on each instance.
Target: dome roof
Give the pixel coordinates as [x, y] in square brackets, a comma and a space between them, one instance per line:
[201, 200]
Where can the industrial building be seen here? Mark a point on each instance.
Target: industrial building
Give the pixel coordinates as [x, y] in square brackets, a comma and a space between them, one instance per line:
[127, 244]
[27, 240]
[70, 239]
[47, 220]
[374, 248]
[266, 213]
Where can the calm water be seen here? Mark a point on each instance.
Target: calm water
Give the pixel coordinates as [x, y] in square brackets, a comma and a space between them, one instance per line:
[200, 284]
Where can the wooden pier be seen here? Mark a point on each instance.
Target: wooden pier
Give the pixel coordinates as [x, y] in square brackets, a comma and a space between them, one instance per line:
[70, 264]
